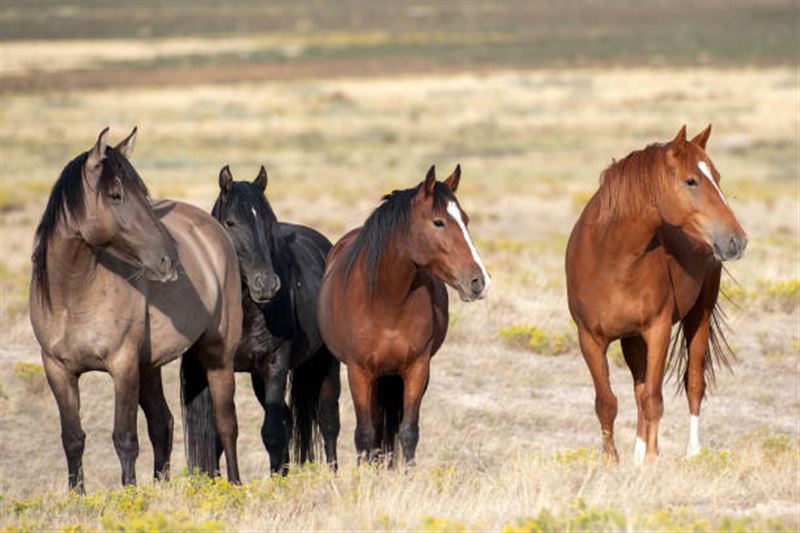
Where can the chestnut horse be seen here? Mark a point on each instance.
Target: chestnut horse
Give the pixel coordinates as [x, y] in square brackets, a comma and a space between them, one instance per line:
[383, 306]
[124, 285]
[645, 254]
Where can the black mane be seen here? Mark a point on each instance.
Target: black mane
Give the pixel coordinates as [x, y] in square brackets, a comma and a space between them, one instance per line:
[390, 220]
[67, 198]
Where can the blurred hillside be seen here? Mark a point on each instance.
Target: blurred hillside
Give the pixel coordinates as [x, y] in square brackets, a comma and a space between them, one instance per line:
[159, 42]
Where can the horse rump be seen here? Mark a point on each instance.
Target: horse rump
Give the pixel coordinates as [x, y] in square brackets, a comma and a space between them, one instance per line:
[200, 436]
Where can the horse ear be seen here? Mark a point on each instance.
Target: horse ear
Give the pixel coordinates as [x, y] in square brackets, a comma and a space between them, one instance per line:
[126, 146]
[702, 138]
[680, 138]
[261, 179]
[98, 152]
[430, 181]
[225, 179]
[453, 179]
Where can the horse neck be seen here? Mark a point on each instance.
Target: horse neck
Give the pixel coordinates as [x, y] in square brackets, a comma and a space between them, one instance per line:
[71, 267]
[396, 273]
[629, 236]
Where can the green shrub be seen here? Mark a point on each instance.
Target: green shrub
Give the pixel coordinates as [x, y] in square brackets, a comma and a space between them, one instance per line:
[435, 524]
[781, 295]
[158, 521]
[539, 340]
[31, 375]
[577, 457]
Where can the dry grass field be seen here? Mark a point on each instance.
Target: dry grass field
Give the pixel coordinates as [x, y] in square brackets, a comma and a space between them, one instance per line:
[509, 438]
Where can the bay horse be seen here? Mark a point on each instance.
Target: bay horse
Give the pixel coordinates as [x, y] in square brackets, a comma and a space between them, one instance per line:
[123, 284]
[281, 267]
[645, 254]
[383, 306]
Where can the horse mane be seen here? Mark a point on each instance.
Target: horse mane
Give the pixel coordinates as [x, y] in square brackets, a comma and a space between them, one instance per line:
[67, 199]
[631, 184]
[390, 221]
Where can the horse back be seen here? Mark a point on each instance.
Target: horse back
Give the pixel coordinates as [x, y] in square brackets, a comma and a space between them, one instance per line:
[340, 247]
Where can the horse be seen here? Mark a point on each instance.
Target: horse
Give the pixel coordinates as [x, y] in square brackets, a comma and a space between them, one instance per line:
[383, 307]
[281, 268]
[122, 284]
[647, 253]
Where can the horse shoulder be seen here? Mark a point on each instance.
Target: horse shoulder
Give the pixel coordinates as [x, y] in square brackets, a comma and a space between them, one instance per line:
[85, 333]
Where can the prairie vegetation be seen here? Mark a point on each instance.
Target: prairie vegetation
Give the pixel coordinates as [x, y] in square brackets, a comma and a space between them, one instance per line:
[508, 432]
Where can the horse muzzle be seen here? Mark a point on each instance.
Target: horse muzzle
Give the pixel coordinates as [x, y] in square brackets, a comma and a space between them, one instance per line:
[476, 289]
[264, 287]
[729, 247]
[167, 270]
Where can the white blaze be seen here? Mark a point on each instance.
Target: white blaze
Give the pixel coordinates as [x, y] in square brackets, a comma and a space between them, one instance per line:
[455, 212]
[693, 448]
[707, 173]
[639, 450]
[253, 210]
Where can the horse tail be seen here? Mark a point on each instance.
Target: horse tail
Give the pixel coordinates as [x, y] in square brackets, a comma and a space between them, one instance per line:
[390, 410]
[200, 435]
[306, 384]
[719, 351]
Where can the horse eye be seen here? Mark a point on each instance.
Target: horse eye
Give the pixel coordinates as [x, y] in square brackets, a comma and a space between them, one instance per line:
[117, 197]
[439, 223]
[230, 223]
[691, 182]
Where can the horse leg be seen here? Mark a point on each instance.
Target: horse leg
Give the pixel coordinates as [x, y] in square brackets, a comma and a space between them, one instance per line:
[415, 384]
[696, 330]
[362, 389]
[635, 351]
[260, 390]
[159, 419]
[222, 386]
[276, 429]
[657, 340]
[329, 411]
[64, 385]
[125, 372]
[605, 403]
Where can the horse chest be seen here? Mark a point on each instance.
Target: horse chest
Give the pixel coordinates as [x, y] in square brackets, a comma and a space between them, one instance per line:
[83, 335]
[391, 344]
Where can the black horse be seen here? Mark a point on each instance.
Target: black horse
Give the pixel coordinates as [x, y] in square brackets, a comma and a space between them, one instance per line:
[281, 266]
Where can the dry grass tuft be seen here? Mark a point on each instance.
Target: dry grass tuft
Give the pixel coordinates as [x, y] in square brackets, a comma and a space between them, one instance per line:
[507, 439]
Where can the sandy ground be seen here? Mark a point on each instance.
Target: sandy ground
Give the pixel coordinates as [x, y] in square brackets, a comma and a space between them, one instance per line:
[531, 145]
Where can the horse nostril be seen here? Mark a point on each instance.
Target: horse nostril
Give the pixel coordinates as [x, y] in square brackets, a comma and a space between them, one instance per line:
[734, 245]
[166, 264]
[275, 284]
[477, 285]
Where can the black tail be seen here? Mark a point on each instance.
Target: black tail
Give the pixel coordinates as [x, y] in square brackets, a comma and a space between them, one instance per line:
[200, 436]
[306, 382]
[719, 353]
[390, 410]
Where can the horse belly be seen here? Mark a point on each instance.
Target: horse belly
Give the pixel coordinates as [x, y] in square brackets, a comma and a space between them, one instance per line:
[169, 339]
